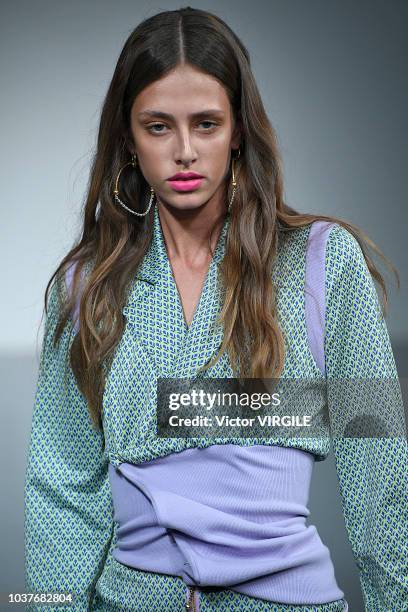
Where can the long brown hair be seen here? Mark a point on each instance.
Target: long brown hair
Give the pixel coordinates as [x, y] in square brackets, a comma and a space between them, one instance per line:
[113, 241]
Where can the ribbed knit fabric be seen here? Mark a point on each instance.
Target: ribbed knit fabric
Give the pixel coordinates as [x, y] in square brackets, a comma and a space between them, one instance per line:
[225, 515]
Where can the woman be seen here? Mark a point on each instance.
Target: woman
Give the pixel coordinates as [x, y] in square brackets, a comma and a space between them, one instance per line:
[123, 518]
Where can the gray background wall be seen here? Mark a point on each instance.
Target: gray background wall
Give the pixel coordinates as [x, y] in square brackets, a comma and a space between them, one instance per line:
[333, 77]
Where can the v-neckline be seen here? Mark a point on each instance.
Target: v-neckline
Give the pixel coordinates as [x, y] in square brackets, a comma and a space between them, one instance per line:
[218, 252]
[180, 301]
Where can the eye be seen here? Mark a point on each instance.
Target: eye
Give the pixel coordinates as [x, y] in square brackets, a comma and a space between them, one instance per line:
[150, 128]
[210, 122]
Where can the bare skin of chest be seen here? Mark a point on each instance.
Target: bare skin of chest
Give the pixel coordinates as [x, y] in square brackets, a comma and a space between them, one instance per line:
[190, 282]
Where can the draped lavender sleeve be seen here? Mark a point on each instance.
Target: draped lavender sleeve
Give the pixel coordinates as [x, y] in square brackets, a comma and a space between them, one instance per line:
[371, 468]
[68, 505]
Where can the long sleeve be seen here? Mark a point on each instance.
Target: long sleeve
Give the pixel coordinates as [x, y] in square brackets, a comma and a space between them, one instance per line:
[372, 471]
[68, 505]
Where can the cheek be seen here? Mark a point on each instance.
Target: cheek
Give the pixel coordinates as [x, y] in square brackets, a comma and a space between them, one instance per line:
[220, 141]
[220, 151]
[151, 158]
[218, 158]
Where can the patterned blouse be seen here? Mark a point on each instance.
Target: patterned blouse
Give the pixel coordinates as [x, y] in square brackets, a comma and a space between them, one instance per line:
[69, 527]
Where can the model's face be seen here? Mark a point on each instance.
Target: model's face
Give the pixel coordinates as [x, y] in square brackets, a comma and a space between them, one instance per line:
[183, 142]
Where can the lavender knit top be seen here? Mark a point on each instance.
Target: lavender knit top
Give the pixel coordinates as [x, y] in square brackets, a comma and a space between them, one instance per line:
[225, 516]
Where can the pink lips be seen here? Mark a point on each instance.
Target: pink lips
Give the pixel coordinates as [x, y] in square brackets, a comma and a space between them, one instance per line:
[185, 185]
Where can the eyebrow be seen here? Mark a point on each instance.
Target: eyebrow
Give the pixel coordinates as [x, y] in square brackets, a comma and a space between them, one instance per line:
[204, 113]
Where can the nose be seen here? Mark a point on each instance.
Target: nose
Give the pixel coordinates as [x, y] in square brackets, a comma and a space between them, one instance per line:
[185, 152]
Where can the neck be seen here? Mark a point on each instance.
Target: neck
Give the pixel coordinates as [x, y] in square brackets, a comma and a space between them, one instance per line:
[189, 232]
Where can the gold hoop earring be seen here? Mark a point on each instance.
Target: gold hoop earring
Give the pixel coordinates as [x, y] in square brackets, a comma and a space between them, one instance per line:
[234, 183]
[116, 190]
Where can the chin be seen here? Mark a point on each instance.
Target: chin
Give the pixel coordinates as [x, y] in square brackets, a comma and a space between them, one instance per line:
[184, 203]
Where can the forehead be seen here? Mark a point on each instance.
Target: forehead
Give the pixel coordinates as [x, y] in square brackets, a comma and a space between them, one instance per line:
[183, 91]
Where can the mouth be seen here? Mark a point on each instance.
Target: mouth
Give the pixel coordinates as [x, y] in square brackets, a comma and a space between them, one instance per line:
[188, 184]
[187, 176]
